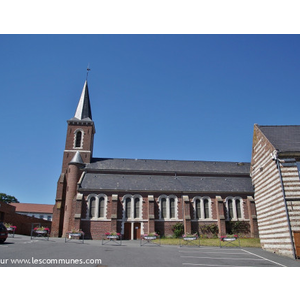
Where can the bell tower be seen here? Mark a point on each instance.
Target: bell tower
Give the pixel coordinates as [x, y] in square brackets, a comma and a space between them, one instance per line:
[80, 132]
[78, 152]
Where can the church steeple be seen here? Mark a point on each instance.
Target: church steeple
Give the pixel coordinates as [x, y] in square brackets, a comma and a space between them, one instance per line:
[81, 130]
[78, 152]
[83, 111]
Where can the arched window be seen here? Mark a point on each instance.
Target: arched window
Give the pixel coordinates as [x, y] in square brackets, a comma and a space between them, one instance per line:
[168, 207]
[238, 208]
[132, 206]
[172, 208]
[163, 204]
[136, 207]
[234, 208]
[128, 208]
[198, 208]
[202, 208]
[96, 206]
[92, 207]
[78, 138]
[206, 209]
[230, 209]
[101, 207]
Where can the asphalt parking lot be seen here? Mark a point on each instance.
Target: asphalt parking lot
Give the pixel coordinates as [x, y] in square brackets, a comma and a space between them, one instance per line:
[22, 251]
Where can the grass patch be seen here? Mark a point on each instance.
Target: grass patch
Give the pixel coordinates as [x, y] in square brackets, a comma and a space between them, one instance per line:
[215, 242]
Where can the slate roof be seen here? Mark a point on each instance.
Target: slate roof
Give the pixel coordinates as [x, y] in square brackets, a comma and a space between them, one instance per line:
[283, 138]
[166, 176]
[160, 183]
[169, 166]
[83, 111]
[77, 159]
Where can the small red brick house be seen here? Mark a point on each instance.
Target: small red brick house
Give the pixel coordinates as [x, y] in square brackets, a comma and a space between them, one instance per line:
[41, 211]
[275, 169]
[137, 196]
[23, 223]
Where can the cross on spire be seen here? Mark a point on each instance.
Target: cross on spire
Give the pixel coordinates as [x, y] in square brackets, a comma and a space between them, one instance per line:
[87, 71]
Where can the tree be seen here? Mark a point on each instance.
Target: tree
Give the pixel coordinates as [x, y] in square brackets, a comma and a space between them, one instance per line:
[8, 199]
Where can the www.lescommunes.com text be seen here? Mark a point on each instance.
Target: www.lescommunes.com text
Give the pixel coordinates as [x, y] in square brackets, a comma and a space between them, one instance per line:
[50, 261]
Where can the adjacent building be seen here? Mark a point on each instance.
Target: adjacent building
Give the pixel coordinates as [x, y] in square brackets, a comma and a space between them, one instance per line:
[275, 176]
[40, 211]
[24, 223]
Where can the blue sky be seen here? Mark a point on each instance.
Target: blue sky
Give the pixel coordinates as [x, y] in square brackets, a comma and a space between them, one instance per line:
[186, 97]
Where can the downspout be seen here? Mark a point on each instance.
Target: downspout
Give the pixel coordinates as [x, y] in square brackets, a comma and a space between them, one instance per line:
[277, 160]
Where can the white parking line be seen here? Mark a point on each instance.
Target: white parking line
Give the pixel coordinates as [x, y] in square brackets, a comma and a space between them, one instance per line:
[227, 258]
[207, 265]
[223, 255]
[274, 262]
[235, 253]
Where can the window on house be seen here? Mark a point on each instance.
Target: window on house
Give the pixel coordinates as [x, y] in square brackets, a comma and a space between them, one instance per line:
[163, 204]
[78, 137]
[132, 206]
[137, 207]
[230, 209]
[96, 206]
[234, 208]
[92, 207]
[168, 207]
[128, 208]
[206, 209]
[202, 207]
[172, 208]
[101, 207]
[198, 209]
[238, 208]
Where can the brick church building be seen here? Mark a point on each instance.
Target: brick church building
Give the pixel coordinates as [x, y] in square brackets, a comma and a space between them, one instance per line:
[138, 196]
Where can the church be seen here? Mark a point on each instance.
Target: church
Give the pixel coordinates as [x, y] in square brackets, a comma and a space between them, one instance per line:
[138, 196]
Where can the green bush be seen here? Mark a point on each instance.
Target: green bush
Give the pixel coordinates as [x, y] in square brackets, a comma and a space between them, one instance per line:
[238, 227]
[209, 230]
[178, 230]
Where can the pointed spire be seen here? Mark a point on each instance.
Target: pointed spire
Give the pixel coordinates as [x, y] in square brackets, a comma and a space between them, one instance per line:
[83, 110]
[77, 159]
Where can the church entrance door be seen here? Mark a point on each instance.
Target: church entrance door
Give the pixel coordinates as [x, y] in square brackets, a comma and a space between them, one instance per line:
[132, 230]
[137, 231]
[127, 231]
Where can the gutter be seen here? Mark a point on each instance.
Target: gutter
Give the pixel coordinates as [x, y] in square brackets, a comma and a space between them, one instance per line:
[277, 160]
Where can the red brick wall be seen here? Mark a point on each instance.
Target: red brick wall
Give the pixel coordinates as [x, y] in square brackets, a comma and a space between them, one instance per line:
[70, 203]
[58, 209]
[88, 138]
[22, 222]
[95, 229]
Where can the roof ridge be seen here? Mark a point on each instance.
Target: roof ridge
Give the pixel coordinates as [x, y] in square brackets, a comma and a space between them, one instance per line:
[278, 125]
[95, 159]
